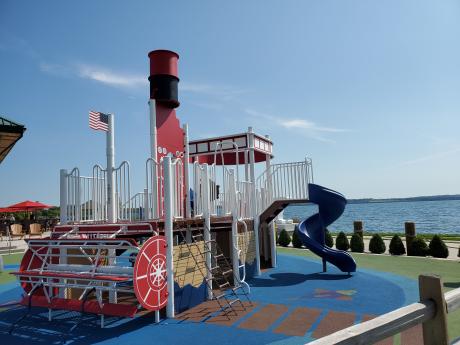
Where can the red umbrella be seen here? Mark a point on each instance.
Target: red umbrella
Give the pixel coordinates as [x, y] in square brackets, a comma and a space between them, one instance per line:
[5, 210]
[28, 206]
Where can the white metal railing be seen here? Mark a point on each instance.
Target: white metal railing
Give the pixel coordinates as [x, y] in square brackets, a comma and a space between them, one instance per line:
[178, 188]
[431, 311]
[123, 191]
[136, 206]
[79, 197]
[284, 181]
[154, 186]
[99, 193]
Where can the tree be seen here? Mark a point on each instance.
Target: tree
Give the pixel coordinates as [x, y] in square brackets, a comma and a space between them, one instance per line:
[357, 243]
[341, 242]
[397, 246]
[328, 239]
[438, 248]
[376, 245]
[419, 247]
[284, 239]
[296, 242]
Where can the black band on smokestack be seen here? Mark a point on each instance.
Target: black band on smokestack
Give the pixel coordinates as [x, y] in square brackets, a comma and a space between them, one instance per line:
[164, 89]
[164, 77]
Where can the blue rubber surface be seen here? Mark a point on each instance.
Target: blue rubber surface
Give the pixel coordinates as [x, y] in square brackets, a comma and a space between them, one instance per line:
[331, 205]
[296, 282]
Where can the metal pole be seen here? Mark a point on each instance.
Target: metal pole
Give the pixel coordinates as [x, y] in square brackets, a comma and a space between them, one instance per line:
[63, 196]
[271, 226]
[168, 203]
[153, 129]
[146, 204]
[254, 198]
[207, 226]
[188, 211]
[235, 256]
[111, 202]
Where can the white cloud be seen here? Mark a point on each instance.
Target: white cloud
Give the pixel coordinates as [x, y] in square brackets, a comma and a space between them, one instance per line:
[111, 78]
[306, 127]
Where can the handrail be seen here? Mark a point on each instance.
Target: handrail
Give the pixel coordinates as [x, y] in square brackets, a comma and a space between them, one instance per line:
[399, 320]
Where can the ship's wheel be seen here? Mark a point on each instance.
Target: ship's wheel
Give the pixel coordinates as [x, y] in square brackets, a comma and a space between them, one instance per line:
[150, 274]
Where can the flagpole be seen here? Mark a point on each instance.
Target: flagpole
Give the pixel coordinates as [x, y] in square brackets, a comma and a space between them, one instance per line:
[111, 201]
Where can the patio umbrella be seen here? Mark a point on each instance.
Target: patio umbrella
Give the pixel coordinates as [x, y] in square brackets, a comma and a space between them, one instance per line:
[5, 210]
[28, 206]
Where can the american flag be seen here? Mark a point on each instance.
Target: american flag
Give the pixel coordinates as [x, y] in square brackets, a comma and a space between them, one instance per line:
[98, 121]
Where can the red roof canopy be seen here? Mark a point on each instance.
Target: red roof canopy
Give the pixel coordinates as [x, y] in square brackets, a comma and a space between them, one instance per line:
[5, 210]
[27, 206]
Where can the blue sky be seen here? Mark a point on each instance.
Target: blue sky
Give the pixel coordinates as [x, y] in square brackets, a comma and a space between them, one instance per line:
[368, 89]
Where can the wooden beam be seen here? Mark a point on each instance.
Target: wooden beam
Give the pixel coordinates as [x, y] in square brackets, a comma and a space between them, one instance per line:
[434, 329]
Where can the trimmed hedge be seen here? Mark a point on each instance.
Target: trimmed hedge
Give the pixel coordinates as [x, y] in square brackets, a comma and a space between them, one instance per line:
[329, 240]
[296, 242]
[397, 246]
[376, 245]
[419, 247]
[284, 239]
[341, 242]
[438, 248]
[357, 243]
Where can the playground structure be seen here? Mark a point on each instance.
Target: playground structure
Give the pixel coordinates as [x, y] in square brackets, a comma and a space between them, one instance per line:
[200, 228]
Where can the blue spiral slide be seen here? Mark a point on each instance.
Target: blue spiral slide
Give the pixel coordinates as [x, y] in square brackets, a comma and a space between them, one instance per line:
[312, 230]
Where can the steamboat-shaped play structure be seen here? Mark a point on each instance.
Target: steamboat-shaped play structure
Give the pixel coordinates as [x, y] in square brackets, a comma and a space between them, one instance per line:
[202, 226]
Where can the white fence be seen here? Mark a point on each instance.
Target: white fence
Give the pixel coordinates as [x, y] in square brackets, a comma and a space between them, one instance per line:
[285, 181]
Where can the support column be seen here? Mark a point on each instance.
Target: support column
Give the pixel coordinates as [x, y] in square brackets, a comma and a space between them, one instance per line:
[188, 211]
[255, 212]
[207, 227]
[111, 200]
[234, 237]
[63, 196]
[168, 224]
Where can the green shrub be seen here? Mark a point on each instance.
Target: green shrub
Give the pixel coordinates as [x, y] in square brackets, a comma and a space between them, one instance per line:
[284, 239]
[438, 248]
[376, 244]
[296, 242]
[328, 239]
[357, 243]
[418, 247]
[341, 242]
[397, 246]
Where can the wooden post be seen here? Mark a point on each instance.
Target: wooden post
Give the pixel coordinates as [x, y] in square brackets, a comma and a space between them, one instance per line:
[409, 228]
[435, 329]
[358, 227]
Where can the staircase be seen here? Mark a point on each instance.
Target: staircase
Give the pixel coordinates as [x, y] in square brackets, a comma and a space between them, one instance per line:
[281, 185]
[218, 274]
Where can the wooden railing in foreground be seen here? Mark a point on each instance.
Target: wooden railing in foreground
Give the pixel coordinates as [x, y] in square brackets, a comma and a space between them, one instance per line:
[431, 311]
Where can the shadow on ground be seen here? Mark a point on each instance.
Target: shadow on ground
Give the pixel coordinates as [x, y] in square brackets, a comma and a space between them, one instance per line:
[288, 279]
[452, 285]
[36, 329]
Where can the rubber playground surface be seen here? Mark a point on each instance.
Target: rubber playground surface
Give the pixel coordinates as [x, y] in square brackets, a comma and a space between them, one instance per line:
[292, 304]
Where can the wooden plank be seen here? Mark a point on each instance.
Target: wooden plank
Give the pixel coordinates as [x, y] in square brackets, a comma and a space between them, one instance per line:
[453, 300]
[298, 322]
[381, 327]
[435, 329]
[387, 341]
[264, 318]
[332, 322]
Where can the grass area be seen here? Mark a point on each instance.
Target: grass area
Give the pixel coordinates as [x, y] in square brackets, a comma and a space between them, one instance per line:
[410, 267]
[12, 259]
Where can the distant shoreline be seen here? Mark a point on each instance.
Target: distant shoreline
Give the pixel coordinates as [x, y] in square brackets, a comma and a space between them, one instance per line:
[415, 198]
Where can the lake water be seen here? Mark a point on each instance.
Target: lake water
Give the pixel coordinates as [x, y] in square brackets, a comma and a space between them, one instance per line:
[429, 216]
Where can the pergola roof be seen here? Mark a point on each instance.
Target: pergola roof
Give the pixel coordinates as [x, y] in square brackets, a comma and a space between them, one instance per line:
[10, 133]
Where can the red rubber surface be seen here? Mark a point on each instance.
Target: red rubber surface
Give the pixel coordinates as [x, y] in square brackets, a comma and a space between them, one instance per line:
[150, 274]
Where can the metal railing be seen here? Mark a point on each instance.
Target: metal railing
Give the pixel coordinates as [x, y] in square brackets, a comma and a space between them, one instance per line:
[430, 311]
[123, 191]
[284, 181]
[155, 190]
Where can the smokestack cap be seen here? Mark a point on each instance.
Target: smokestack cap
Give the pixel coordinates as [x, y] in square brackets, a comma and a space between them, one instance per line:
[163, 62]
